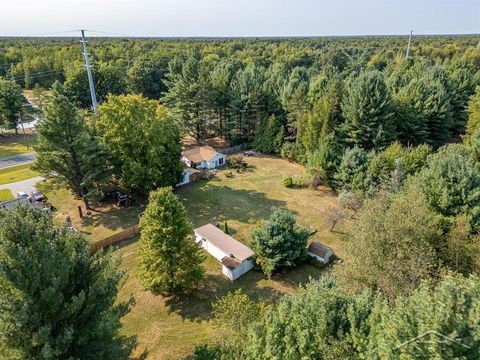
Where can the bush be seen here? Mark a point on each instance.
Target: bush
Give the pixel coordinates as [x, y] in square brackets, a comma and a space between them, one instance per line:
[237, 162]
[288, 181]
[228, 174]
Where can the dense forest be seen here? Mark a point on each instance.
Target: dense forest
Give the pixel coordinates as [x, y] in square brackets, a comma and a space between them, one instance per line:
[396, 137]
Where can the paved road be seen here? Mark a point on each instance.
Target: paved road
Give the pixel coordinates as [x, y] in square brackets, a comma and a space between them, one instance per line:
[27, 185]
[17, 160]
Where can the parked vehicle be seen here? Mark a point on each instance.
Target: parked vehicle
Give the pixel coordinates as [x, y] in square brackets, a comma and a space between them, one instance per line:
[37, 196]
[21, 194]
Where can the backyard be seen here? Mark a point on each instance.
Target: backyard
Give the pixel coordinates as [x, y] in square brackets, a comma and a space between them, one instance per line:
[170, 329]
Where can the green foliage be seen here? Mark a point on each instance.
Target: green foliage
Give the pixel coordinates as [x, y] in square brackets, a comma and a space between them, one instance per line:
[146, 77]
[391, 244]
[278, 243]
[351, 173]
[288, 181]
[313, 324]
[369, 112]
[225, 228]
[237, 162]
[11, 100]
[326, 158]
[451, 183]
[170, 262]
[108, 78]
[67, 147]
[288, 151]
[144, 141]
[57, 299]
[270, 136]
[473, 123]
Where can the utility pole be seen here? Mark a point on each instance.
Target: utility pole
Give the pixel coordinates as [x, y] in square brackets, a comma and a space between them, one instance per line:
[409, 42]
[21, 123]
[89, 72]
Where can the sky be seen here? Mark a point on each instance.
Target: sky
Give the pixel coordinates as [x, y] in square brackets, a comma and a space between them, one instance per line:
[176, 18]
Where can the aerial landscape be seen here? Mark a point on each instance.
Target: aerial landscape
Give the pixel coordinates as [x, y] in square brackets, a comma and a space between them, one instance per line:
[239, 180]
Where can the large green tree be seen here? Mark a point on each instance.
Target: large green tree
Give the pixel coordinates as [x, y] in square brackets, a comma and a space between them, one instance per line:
[368, 111]
[144, 141]
[58, 300]
[69, 149]
[279, 243]
[170, 262]
[11, 101]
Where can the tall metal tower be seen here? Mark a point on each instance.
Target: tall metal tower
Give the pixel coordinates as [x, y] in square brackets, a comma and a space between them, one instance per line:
[89, 72]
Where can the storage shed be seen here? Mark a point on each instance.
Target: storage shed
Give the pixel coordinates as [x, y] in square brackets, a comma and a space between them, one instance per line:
[320, 252]
[234, 256]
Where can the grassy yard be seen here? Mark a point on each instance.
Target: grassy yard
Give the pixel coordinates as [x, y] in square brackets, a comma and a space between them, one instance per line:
[5, 195]
[16, 173]
[170, 330]
[105, 220]
[12, 144]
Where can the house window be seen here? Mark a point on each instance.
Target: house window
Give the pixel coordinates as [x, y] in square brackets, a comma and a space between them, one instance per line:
[220, 161]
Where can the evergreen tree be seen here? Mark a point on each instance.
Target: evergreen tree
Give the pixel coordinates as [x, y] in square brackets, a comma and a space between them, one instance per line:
[269, 137]
[451, 183]
[65, 146]
[278, 243]
[58, 300]
[351, 174]
[368, 111]
[144, 141]
[170, 262]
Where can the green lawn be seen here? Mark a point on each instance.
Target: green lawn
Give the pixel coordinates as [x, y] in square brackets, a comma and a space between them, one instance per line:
[12, 145]
[5, 195]
[170, 330]
[16, 173]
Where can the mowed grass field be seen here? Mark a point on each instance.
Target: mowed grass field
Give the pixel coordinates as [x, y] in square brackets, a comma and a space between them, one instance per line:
[5, 195]
[170, 329]
[16, 173]
[12, 144]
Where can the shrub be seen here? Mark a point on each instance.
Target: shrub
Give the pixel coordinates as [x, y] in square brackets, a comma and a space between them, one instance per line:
[288, 181]
[237, 162]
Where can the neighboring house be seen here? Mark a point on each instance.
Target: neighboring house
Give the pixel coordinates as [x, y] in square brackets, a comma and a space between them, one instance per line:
[203, 157]
[12, 204]
[320, 252]
[234, 256]
[190, 175]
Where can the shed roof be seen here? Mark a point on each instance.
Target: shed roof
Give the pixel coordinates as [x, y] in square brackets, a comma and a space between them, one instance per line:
[200, 153]
[224, 242]
[318, 249]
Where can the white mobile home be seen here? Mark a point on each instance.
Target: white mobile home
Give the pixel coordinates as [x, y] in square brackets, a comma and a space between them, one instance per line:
[234, 256]
[203, 157]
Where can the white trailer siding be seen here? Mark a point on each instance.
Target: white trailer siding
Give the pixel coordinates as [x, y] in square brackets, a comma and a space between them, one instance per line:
[210, 248]
[234, 274]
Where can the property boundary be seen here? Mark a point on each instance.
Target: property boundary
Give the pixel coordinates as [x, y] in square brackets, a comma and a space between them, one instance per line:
[233, 149]
[116, 238]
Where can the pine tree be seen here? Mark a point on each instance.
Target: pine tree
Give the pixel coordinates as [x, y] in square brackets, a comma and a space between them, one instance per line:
[269, 136]
[279, 243]
[66, 147]
[57, 299]
[368, 111]
[170, 262]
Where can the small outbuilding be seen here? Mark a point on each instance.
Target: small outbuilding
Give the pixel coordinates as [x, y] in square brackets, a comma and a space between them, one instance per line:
[203, 157]
[320, 252]
[190, 175]
[235, 257]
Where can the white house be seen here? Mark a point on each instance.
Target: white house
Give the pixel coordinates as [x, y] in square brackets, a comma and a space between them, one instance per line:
[320, 252]
[203, 157]
[189, 175]
[234, 256]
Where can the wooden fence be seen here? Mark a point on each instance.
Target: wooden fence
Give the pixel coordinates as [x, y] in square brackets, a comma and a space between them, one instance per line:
[116, 238]
[233, 149]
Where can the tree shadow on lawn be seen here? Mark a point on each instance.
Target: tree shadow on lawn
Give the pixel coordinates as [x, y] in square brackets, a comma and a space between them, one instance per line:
[197, 306]
[210, 203]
